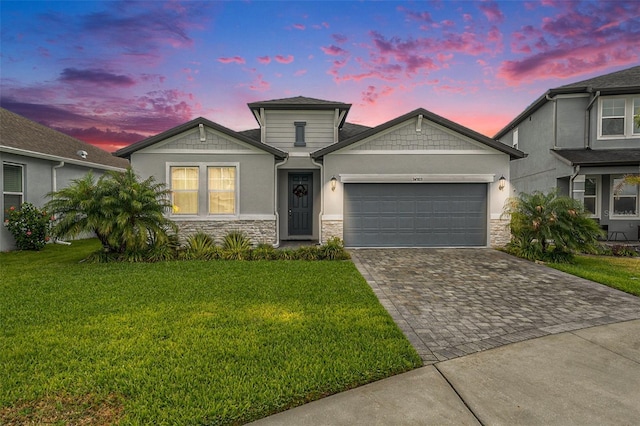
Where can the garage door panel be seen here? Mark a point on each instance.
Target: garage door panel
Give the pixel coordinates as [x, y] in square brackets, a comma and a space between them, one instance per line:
[415, 215]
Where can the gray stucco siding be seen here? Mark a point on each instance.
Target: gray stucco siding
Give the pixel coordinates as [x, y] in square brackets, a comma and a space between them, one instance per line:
[255, 178]
[571, 122]
[38, 182]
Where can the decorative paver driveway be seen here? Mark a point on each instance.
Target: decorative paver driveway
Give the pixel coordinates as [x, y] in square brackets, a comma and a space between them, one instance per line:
[453, 302]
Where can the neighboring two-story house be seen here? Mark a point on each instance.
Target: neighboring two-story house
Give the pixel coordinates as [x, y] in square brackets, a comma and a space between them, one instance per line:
[418, 180]
[581, 139]
[37, 160]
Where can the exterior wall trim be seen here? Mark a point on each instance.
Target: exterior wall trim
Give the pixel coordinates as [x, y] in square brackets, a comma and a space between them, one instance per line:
[417, 178]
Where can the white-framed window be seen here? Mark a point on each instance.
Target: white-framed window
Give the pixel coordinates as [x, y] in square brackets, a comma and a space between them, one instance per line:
[624, 198]
[615, 117]
[204, 189]
[592, 195]
[13, 186]
[515, 138]
[222, 190]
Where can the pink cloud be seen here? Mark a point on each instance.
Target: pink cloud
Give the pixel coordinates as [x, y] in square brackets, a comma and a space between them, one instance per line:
[371, 94]
[491, 11]
[284, 59]
[300, 27]
[333, 50]
[582, 38]
[339, 38]
[415, 16]
[231, 60]
[264, 59]
[259, 84]
[300, 73]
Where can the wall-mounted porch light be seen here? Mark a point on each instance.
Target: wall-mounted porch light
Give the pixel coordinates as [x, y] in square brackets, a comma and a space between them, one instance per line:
[502, 182]
[334, 182]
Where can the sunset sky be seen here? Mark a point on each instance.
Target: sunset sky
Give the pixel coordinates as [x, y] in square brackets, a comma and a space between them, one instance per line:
[112, 73]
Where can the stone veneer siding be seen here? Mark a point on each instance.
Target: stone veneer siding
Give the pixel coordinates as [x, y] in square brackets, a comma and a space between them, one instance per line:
[331, 228]
[258, 231]
[500, 232]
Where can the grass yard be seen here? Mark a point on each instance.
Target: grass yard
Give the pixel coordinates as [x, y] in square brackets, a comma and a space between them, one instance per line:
[183, 342]
[622, 273]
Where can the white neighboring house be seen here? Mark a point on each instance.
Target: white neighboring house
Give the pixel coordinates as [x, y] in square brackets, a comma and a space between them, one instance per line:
[37, 160]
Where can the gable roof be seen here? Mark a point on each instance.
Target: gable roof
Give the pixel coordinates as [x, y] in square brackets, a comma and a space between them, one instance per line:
[599, 157]
[299, 103]
[622, 82]
[513, 153]
[241, 136]
[26, 137]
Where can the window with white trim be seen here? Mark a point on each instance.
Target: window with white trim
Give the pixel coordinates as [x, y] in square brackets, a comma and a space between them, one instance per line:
[203, 189]
[222, 190]
[636, 111]
[184, 190]
[13, 186]
[616, 117]
[592, 195]
[624, 198]
[515, 138]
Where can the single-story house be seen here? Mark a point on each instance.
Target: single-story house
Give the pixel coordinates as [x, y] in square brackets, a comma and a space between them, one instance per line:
[306, 173]
[37, 160]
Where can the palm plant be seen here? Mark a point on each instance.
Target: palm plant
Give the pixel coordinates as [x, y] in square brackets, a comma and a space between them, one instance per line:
[549, 226]
[125, 213]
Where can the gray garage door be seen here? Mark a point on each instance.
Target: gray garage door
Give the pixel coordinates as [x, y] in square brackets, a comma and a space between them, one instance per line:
[415, 215]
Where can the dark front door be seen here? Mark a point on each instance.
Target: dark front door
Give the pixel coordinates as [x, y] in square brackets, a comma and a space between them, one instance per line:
[300, 204]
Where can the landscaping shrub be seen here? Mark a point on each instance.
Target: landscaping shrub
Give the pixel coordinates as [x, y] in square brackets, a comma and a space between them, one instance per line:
[334, 250]
[200, 246]
[236, 246]
[549, 227]
[264, 251]
[622, 251]
[124, 212]
[29, 226]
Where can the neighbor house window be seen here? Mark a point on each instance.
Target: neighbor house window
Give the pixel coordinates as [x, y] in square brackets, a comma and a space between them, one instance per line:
[515, 138]
[222, 190]
[591, 194]
[300, 125]
[13, 186]
[636, 111]
[616, 117]
[184, 189]
[624, 200]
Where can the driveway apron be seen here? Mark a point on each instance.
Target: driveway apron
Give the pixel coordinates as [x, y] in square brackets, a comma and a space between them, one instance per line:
[454, 302]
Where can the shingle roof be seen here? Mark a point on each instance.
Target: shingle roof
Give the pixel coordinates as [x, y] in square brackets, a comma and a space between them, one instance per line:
[25, 137]
[599, 157]
[626, 81]
[428, 115]
[350, 130]
[242, 136]
[299, 102]
[629, 77]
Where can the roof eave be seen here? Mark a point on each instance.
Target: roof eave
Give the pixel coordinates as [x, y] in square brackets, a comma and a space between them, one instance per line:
[50, 157]
[127, 151]
[513, 153]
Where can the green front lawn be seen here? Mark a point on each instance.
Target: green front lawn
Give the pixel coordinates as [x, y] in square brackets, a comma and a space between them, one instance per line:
[183, 342]
[622, 273]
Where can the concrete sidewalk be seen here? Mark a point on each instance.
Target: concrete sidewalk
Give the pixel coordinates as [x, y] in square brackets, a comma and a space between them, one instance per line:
[583, 377]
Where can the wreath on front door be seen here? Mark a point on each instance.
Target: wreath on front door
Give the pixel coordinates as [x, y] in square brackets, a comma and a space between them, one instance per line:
[300, 191]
